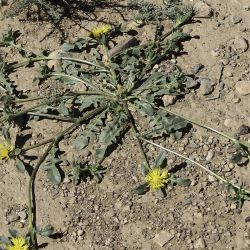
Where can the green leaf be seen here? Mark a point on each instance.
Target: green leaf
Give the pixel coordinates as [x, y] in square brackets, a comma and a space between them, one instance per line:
[17, 151]
[160, 160]
[54, 175]
[100, 153]
[144, 169]
[145, 108]
[6, 135]
[20, 165]
[142, 189]
[112, 130]
[63, 109]
[180, 181]
[160, 193]
[14, 233]
[47, 231]
[66, 47]
[90, 132]
[81, 142]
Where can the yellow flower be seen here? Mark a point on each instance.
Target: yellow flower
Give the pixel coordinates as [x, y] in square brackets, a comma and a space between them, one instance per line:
[99, 31]
[156, 178]
[18, 243]
[5, 150]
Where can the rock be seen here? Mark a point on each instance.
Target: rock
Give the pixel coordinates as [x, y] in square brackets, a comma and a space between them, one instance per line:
[196, 68]
[186, 202]
[203, 9]
[79, 86]
[241, 43]
[236, 100]
[210, 155]
[243, 87]
[190, 82]
[54, 63]
[235, 19]
[163, 237]
[247, 219]
[66, 180]
[200, 244]
[80, 232]
[169, 100]
[23, 215]
[233, 206]
[214, 53]
[211, 178]
[13, 217]
[243, 130]
[206, 86]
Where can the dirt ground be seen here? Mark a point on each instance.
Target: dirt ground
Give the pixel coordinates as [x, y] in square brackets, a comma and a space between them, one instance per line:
[108, 215]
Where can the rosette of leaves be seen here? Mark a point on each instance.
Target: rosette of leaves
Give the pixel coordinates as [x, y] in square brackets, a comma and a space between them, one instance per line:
[128, 79]
[119, 88]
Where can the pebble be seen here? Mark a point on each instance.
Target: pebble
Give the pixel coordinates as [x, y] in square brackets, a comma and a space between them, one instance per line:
[13, 217]
[200, 244]
[206, 86]
[210, 155]
[196, 68]
[23, 215]
[243, 130]
[215, 53]
[55, 64]
[247, 219]
[66, 180]
[190, 82]
[243, 87]
[241, 43]
[236, 100]
[203, 9]
[236, 19]
[211, 178]
[163, 237]
[80, 232]
[233, 206]
[186, 202]
[169, 100]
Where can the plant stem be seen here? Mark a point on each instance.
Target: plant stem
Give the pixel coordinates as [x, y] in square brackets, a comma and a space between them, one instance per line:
[31, 191]
[54, 117]
[31, 195]
[37, 59]
[136, 134]
[194, 162]
[237, 142]
[105, 92]
[209, 128]
[25, 111]
[85, 117]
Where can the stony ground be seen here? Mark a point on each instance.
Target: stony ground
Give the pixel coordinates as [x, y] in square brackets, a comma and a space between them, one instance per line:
[109, 215]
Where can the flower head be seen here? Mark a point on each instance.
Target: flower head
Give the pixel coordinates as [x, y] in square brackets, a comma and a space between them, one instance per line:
[99, 31]
[156, 178]
[5, 150]
[18, 243]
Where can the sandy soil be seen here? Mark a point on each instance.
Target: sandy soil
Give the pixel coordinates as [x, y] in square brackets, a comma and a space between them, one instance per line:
[109, 215]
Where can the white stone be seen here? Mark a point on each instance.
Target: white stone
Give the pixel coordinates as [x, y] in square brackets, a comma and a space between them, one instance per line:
[243, 87]
[163, 237]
